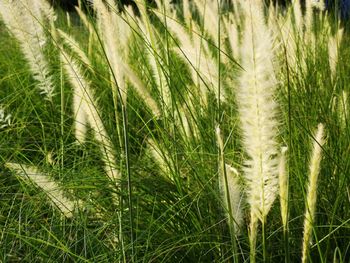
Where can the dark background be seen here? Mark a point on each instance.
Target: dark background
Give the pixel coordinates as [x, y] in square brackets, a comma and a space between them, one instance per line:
[341, 7]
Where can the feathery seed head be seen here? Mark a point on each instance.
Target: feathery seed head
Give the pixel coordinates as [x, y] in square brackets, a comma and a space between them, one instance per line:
[343, 109]
[318, 4]
[74, 46]
[86, 110]
[5, 119]
[26, 21]
[232, 195]
[229, 187]
[53, 191]
[333, 50]
[258, 113]
[283, 187]
[298, 16]
[161, 157]
[314, 170]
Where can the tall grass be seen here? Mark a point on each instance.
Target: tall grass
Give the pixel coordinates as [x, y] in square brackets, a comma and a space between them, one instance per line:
[154, 134]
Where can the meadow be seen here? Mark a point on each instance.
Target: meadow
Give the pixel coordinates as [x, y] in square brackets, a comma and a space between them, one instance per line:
[204, 131]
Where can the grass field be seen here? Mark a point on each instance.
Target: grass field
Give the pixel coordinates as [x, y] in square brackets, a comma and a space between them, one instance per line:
[201, 132]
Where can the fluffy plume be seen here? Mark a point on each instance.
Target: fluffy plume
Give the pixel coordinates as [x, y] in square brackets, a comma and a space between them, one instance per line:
[5, 119]
[298, 16]
[343, 109]
[231, 27]
[229, 188]
[308, 20]
[187, 12]
[209, 11]
[289, 43]
[85, 110]
[318, 4]
[74, 46]
[165, 6]
[110, 26]
[258, 115]
[25, 19]
[52, 190]
[92, 34]
[162, 158]
[312, 189]
[283, 184]
[185, 120]
[301, 41]
[333, 49]
[153, 48]
[69, 23]
[233, 194]
[115, 30]
[195, 51]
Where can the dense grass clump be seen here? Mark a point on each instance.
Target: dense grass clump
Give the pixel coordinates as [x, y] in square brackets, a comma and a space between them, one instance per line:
[195, 132]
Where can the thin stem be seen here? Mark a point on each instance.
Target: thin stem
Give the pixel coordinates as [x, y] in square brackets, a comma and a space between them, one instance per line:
[62, 116]
[126, 147]
[286, 228]
[219, 61]
[231, 220]
[222, 169]
[286, 244]
[127, 165]
[263, 237]
[253, 228]
[114, 89]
